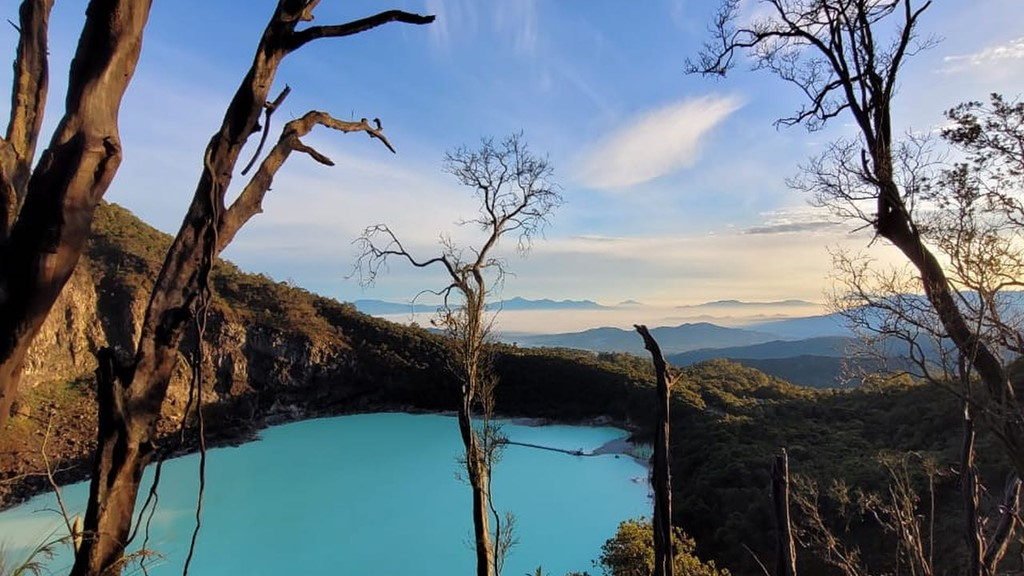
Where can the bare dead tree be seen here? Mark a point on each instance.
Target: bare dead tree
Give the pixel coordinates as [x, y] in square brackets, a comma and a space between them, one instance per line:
[131, 391]
[814, 532]
[986, 547]
[517, 196]
[897, 512]
[836, 53]
[970, 217]
[46, 211]
[785, 556]
[662, 476]
[892, 321]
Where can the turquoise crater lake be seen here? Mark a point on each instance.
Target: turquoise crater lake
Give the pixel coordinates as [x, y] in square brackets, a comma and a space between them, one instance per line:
[373, 494]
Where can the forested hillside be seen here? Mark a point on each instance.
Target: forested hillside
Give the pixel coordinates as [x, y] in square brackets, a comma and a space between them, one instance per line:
[280, 352]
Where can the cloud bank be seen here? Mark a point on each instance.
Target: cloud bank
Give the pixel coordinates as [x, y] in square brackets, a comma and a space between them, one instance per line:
[991, 56]
[654, 143]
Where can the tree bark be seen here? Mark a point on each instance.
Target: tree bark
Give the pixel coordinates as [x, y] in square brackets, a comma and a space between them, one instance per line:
[28, 101]
[970, 489]
[479, 482]
[1006, 527]
[785, 560]
[895, 224]
[662, 477]
[49, 231]
[131, 393]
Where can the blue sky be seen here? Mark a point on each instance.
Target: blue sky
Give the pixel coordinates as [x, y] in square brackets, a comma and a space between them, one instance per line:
[674, 185]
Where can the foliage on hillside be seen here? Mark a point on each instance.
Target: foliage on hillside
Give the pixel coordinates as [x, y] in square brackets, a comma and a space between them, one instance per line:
[727, 420]
[631, 552]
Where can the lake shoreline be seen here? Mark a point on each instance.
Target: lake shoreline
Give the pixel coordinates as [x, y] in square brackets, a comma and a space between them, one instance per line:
[79, 467]
[376, 477]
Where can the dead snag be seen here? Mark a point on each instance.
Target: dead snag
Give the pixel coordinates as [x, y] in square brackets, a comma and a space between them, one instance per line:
[662, 480]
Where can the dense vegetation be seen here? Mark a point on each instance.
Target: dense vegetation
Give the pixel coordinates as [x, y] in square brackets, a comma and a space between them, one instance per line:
[728, 420]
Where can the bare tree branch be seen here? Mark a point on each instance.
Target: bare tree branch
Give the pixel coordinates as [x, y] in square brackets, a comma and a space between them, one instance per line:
[250, 200]
[301, 37]
[28, 102]
[516, 197]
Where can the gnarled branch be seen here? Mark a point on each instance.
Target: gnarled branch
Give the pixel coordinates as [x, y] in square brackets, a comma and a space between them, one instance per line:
[249, 202]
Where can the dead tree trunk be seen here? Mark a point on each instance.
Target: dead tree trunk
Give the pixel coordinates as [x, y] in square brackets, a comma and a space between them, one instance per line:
[131, 392]
[1007, 526]
[785, 561]
[467, 329]
[45, 218]
[479, 482]
[974, 532]
[662, 479]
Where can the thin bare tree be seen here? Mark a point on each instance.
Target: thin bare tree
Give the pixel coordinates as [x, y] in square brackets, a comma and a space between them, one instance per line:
[516, 195]
[785, 546]
[131, 390]
[845, 57]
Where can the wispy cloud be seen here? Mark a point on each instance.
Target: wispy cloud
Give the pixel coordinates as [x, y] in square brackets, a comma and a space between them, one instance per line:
[519, 21]
[795, 221]
[453, 16]
[1000, 55]
[654, 143]
[459, 21]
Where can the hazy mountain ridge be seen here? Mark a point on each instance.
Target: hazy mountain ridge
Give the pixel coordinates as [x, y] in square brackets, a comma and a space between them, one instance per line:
[731, 303]
[828, 346]
[805, 327]
[384, 307]
[672, 339]
[819, 362]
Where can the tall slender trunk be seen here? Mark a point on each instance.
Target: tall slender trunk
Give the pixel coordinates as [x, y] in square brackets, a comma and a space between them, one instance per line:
[479, 482]
[470, 357]
[969, 488]
[662, 477]
[785, 559]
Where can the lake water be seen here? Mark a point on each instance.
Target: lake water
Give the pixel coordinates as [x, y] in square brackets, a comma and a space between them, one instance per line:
[373, 494]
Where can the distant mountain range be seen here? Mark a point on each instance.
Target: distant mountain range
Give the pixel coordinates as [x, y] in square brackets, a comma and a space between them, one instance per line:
[742, 304]
[827, 346]
[546, 304]
[816, 362]
[517, 303]
[381, 307]
[810, 350]
[672, 339]
[807, 327]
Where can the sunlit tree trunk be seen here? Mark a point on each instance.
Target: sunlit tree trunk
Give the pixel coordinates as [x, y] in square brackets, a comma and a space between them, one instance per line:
[45, 218]
[132, 390]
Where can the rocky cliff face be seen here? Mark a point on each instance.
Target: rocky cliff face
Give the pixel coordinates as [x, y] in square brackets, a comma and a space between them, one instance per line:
[65, 347]
[241, 358]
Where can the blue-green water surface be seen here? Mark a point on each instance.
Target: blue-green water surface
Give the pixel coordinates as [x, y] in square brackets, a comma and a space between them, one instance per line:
[373, 494]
